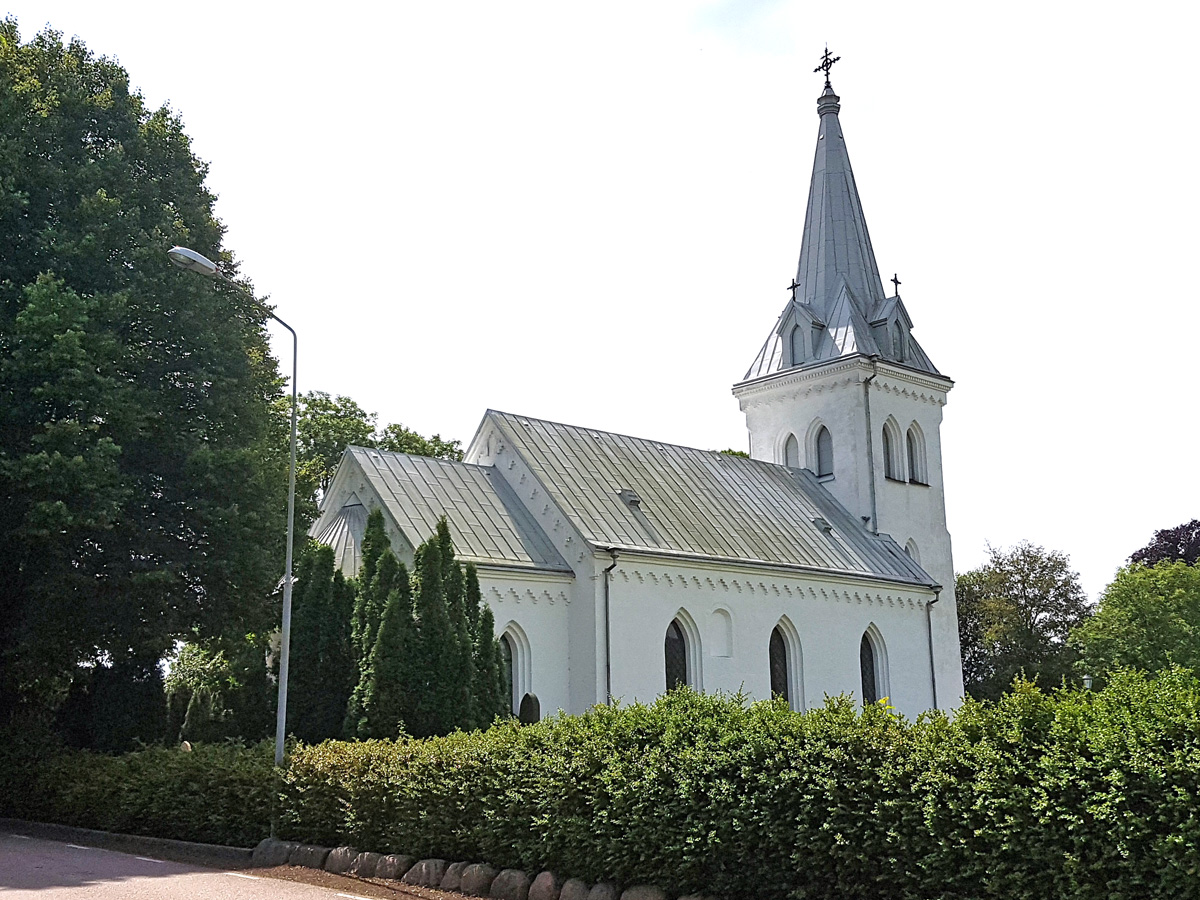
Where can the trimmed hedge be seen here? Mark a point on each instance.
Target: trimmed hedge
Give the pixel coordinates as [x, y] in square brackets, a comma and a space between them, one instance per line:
[217, 794]
[1068, 795]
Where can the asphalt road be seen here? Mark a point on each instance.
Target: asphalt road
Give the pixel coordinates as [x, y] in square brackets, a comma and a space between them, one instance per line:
[36, 869]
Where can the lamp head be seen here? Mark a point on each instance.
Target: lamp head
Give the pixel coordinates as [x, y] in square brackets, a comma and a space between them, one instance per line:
[194, 262]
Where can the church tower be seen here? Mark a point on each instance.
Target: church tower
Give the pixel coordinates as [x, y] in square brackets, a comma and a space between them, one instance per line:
[841, 387]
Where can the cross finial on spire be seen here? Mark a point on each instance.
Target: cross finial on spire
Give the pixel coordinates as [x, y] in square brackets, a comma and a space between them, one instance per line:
[792, 287]
[827, 62]
[896, 281]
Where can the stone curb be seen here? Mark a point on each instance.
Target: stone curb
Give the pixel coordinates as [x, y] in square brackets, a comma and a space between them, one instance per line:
[217, 856]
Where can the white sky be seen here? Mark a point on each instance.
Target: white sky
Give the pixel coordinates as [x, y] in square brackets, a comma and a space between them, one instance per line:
[590, 213]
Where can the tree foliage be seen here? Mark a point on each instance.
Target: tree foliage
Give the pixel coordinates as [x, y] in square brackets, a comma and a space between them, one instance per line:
[1014, 616]
[322, 670]
[1148, 618]
[1181, 542]
[217, 690]
[142, 477]
[327, 425]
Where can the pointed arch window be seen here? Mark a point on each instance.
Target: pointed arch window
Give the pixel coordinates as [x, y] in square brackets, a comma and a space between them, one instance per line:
[898, 341]
[507, 658]
[889, 469]
[675, 650]
[791, 452]
[797, 345]
[915, 444]
[893, 461]
[777, 653]
[866, 664]
[824, 453]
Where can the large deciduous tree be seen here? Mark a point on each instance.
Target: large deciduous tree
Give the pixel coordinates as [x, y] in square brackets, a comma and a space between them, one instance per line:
[142, 465]
[1181, 542]
[1149, 619]
[1014, 616]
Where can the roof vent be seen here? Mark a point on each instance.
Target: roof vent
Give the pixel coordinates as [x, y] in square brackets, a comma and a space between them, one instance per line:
[822, 524]
[630, 496]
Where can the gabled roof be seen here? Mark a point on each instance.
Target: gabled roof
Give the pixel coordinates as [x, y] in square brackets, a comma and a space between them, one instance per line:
[837, 279]
[641, 495]
[487, 522]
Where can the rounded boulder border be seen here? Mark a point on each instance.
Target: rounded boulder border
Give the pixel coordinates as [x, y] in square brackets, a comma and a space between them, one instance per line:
[510, 884]
[271, 853]
[364, 865]
[477, 879]
[308, 855]
[393, 866]
[574, 889]
[452, 880]
[547, 886]
[604, 891]
[340, 859]
[426, 873]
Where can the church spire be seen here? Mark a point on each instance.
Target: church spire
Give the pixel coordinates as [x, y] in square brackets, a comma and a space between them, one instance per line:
[835, 246]
[838, 307]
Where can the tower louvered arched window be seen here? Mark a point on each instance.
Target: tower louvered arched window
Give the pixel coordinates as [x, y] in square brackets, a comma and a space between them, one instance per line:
[916, 456]
[889, 468]
[777, 652]
[797, 345]
[898, 341]
[824, 452]
[675, 651]
[866, 663]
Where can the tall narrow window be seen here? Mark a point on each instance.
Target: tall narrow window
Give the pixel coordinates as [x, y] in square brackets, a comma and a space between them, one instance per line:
[824, 452]
[791, 452]
[675, 651]
[889, 468]
[508, 660]
[816, 339]
[916, 456]
[779, 666]
[898, 341]
[866, 664]
[797, 345]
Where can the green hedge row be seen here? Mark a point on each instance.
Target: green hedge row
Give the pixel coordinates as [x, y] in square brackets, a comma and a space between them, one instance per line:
[1066, 795]
[216, 794]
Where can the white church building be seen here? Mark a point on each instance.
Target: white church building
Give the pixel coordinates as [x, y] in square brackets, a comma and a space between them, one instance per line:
[617, 567]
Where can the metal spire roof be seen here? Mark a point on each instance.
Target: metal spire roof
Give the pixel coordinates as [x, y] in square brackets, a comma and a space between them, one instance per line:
[837, 295]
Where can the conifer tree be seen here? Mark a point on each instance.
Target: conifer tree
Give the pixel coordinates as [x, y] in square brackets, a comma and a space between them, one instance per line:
[321, 668]
[389, 686]
[490, 696]
[380, 575]
[460, 651]
[432, 709]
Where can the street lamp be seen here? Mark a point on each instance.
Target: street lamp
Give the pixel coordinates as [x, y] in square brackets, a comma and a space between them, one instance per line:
[195, 262]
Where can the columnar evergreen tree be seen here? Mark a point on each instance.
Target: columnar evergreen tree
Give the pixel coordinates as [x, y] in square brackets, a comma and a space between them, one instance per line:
[381, 574]
[490, 694]
[388, 675]
[322, 672]
[460, 653]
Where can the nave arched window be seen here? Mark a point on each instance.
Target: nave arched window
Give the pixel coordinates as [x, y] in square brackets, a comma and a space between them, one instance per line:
[675, 651]
[867, 667]
[777, 653]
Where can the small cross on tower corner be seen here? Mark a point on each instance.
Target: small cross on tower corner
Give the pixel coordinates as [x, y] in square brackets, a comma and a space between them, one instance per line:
[896, 281]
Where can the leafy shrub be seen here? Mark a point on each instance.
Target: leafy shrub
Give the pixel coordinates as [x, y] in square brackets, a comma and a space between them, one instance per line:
[1071, 794]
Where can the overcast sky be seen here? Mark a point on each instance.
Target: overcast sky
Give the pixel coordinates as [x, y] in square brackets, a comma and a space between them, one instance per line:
[591, 213]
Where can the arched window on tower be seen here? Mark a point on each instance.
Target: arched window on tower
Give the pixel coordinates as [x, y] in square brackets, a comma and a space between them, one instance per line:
[866, 664]
[791, 452]
[889, 469]
[915, 442]
[898, 341]
[797, 345]
[676, 652]
[777, 653]
[824, 452]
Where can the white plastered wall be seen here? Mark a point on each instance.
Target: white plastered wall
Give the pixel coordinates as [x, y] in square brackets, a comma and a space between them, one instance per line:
[745, 605]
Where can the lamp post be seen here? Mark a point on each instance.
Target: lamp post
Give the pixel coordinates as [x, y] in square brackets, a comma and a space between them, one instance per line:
[195, 262]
